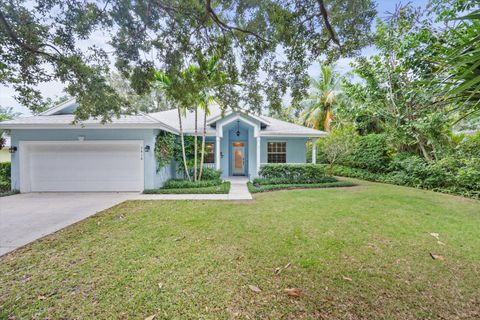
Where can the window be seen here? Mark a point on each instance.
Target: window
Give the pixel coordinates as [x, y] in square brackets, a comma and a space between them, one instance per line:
[277, 152]
[209, 152]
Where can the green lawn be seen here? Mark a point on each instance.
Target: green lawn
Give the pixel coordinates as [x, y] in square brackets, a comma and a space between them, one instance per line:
[357, 252]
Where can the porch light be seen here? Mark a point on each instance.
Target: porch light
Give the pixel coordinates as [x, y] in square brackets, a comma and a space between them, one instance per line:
[238, 128]
[12, 149]
[147, 148]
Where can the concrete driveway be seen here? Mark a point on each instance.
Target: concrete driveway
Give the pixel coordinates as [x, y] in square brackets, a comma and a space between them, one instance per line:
[27, 217]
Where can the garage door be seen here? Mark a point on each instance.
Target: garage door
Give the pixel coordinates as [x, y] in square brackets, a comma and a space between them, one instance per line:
[81, 166]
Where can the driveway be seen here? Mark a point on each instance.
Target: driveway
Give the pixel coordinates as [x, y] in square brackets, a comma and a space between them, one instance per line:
[27, 217]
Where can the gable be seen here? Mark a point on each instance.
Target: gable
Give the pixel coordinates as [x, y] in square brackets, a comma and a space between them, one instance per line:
[67, 107]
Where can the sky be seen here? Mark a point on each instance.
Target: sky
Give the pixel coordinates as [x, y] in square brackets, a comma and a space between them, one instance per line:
[55, 89]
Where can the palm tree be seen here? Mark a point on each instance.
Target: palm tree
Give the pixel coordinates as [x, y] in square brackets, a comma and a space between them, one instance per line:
[322, 98]
[214, 78]
[166, 84]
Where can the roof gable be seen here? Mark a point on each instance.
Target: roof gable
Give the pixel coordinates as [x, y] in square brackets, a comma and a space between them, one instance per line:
[67, 107]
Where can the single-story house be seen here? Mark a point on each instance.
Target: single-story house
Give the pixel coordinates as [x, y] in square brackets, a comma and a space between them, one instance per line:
[52, 154]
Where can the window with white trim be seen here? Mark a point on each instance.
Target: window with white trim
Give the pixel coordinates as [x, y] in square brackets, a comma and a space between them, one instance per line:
[276, 152]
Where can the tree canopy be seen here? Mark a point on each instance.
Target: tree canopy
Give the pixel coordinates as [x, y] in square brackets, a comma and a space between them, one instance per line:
[266, 46]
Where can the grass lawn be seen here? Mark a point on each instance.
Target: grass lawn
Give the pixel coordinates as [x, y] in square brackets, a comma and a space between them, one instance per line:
[222, 188]
[358, 252]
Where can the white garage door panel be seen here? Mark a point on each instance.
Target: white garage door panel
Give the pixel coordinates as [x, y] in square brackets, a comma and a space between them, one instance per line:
[85, 167]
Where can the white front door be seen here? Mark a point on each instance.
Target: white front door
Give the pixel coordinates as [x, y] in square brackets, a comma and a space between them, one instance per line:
[81, 166]
[238, 158]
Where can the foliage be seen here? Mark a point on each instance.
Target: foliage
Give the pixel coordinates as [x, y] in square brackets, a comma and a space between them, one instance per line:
[8, 113]
[211, 174]
[189, 143]
[298, 172]
[469, 147]
[181, 184]
[371, 152]
[407, 170]
[223, 188]
[42, 41]
[321, 99]
[398, 94]
[164, 148]
[5, 176]
[299, 180]
[339, 144]
[256, 188]
[154, 101]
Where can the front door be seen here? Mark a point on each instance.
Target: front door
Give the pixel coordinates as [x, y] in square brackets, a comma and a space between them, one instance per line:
[238, 158]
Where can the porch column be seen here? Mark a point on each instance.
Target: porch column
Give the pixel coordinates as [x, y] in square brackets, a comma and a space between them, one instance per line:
[258, 154]
[217, 153]
[314, 150]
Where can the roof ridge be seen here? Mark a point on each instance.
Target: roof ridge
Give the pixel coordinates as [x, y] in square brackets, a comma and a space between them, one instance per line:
[146, 115]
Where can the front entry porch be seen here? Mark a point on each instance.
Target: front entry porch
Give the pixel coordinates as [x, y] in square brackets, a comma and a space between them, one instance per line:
[236, 148]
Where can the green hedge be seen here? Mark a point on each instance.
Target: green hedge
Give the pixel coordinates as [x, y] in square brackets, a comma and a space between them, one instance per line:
[5, 176]
[304, 173]
[371, 152]
[179, 184]
[414, 173]
[271, 187]
[223, 188]
[270, 181]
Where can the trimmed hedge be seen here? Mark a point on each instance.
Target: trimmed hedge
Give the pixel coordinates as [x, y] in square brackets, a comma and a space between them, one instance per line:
[179, 184]
[5, 176]
[223, 188]
[271, 187]
[211, 174]
[302, 173]
[270, 181]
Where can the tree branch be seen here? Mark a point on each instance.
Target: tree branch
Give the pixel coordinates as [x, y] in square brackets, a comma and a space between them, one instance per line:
[324, 13]
[209, 11]
[14, 37]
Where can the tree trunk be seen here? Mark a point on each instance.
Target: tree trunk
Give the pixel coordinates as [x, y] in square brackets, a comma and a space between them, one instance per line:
[424, 151]
[204, 134]
[183, 143]
[195, 151]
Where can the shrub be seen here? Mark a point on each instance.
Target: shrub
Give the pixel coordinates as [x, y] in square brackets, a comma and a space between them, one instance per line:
[5, 176]
[211, 174]
[371, 152]
[271, 181]
[339, 144]
[271, 187]
[468, 176]
[222, 188]
[307, 173]
[179, 184]
[470, 147]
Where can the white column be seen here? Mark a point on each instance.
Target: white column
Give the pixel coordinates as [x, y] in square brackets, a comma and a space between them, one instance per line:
[258, 154]
[314, 150]
[217, 153]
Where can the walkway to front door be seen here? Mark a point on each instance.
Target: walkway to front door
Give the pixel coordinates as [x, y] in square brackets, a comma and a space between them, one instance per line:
[238, 191]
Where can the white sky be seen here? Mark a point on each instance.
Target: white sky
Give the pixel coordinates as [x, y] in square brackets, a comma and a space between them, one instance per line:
[55, 89]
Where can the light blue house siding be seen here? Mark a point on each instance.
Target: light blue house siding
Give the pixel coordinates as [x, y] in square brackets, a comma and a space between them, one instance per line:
[153, 179]
[296, 149]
